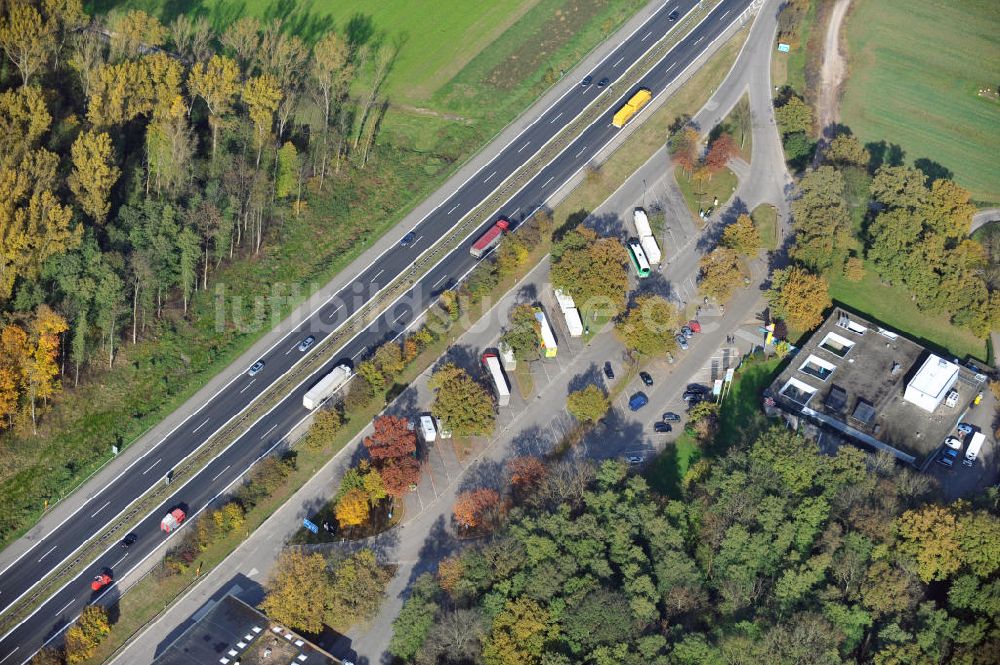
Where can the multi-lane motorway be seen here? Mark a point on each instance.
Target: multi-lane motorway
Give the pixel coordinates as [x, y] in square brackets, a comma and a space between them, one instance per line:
[64, 605]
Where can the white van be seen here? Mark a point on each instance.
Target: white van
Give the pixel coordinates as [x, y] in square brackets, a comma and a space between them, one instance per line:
[427, 430]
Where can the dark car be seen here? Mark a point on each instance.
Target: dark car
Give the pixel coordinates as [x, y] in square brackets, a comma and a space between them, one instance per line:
[948, 457]
[608, 372]
[637, 401]
[673, 16]
[128, 541]
[662, 428]
[646, 378]
[603, 82]
[697, 388]
[671, 417]
[306, 343]
[255, 368]
[692, 397]
[687, 332]
[587, 80]
[408, 239]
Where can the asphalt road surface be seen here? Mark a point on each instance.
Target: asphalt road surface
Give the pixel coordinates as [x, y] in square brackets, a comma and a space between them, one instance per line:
[65, 605]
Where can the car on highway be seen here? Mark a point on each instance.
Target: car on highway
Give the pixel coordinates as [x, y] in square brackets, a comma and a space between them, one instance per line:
[306, 343]
[948, 457]
[608, 372]
[408, 239]
[671, 417]
[682, 341]
[100, 581]
[128, 541]
[635, 459]
[953, 442]
[637, 401]
[661, 428]
[965, 428]
[587, 80]
[673, 16]
[646, 378]
[255, 368]
[603, 82]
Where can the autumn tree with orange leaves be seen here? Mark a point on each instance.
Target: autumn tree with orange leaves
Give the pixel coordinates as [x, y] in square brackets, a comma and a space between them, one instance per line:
[472, 508]
[526, 471]
[392, 438]
[399, 474]
[720, 152]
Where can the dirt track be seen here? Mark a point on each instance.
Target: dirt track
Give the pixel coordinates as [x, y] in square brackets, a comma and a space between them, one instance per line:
[833, 70]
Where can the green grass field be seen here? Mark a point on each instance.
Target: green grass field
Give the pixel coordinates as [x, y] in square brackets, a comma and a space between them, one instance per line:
[765, 217]
[916, 67]
[702, 196]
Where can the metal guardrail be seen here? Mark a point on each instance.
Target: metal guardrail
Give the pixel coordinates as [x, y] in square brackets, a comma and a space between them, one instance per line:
[368, 313]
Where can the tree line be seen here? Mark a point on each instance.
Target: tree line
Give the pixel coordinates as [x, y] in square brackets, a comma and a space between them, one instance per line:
[138, 158]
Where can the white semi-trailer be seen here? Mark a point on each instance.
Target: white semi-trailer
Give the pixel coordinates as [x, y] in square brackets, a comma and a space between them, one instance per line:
[326, 386]
[500, 387]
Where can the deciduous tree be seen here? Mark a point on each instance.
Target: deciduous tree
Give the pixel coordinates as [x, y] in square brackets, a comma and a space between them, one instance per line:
[27, 40]
[518, 634]
[720, 274]
[414, 621]
[352, 508]
[472, 508]
[929, 535]
[846, 149]
[399, 475]
[298, 593]
[591, 269]
[821, 219]
[393, 438]
[461, 403]
[357, 588]
[24, 120]
[94, 174]
[742, 236]
[684, 148]
[794, 116]
[83, 637]
[588, 404]
[262, 95]
[132, 32]
[799, 297]
[520, 335]
[326, 423]
[216, 82]
[647, 328]
[720, 152]
[526, 471]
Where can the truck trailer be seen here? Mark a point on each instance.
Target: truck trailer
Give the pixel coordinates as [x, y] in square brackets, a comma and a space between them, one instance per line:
[500, 387]
[632, 106]
[972, 452]
[573, 322]
[327, 386]
[651, 249]
[641, 221]
[490, 239]
[546, 340]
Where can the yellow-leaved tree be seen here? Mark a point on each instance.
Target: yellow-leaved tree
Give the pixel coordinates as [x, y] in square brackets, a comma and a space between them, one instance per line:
[94, 173]
[42, 367]
[262, 95]
[352, 508]
[217, 83]
[299, 591]
[26, 38]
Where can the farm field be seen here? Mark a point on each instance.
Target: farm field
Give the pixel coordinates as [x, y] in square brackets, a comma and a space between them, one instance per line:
[916, 67]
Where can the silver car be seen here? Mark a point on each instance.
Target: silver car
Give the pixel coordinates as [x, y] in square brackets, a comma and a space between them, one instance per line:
[255, 368]
[306, 343]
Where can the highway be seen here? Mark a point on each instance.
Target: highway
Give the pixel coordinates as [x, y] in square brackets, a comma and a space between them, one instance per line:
[267, 433]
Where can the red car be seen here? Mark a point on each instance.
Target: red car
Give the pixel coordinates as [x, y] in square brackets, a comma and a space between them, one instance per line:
[694, 326]
[100, 582]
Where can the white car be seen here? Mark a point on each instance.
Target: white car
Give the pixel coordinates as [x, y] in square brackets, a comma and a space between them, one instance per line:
[953, 443]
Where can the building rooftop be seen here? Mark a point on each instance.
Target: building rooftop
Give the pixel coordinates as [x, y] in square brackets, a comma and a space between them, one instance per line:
[851, 375]
[232, 632]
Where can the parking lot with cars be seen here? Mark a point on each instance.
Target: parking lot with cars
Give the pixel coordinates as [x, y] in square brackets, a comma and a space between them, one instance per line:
[950, 465]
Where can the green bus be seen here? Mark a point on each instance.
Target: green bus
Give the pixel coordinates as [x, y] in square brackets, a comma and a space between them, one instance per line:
[638, 257]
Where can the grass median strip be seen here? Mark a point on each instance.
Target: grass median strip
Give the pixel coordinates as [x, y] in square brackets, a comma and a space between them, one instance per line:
[325, 352]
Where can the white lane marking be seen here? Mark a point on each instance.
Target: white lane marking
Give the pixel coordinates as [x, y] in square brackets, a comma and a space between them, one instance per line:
[416, 241]
[523, 147]
[454, 208]
[200, 426]
[355, 356]
[724, 15]
[65, 606]
[555, 118]
[516, 211]
[698, 42]
[672, 65]
[549, 180]
[151, 467]
[444, 277]
[397, 319]
[619, 61]
[94, 514]
[247, 386]
[264, 435]
[118, 561]
[10, 654]
[48, 553]
[377, 274]
[223, 471]
[582, 150]
[339, 307]
[648, 35]
[489, 177]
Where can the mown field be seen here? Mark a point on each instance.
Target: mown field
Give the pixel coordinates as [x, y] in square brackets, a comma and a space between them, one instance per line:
[916, 67]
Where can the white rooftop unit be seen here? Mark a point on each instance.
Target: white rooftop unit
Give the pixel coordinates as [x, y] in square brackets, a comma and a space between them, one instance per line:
[565, 301]
[651, 249]
[641, 223]
[929, 387]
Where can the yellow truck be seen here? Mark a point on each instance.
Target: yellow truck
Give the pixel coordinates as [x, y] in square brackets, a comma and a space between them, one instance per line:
[632, 106]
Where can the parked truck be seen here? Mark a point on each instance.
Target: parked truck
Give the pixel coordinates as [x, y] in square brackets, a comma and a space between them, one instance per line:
[573, 322]
[500, 387]
[972, 452]
[172, 520]
[546, 340]
[327, 386]
[565, 301]
[490, 239]
[632, 106]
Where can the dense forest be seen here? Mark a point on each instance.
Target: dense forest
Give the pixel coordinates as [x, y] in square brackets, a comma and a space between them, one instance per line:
[138, 162]
[775, 554]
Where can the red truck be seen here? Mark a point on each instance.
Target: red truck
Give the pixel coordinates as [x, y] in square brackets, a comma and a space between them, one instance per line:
[490, 239]
[172, 520]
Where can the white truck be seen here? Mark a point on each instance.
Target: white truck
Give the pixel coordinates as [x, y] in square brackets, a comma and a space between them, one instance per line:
[427, 430]
[500, 386]
[972, 452]
[326, 386]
